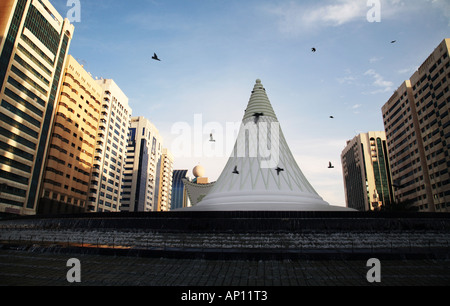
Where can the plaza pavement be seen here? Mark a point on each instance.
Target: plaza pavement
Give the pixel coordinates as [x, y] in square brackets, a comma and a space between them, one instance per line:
[28, 268]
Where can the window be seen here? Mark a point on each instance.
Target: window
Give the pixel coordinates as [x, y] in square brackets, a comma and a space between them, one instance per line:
[20, 113]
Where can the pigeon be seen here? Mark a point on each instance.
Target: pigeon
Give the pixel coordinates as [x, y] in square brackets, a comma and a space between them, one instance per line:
[155, 57]
[313, 50]
[257, 115]
[235, 171]
[330, 166]
[279, 170]
[211, 138]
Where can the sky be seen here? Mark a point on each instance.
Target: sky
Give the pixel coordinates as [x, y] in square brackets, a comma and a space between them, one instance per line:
[212, 51]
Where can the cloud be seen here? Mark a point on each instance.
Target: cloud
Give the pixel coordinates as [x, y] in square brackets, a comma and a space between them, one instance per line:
[294, 17]
[443, 6]
[378, 82]
[383, 85]
[375, 59]
[299, 17]
[337, 14]
[408, 70]
[355, 108]
[346, 80]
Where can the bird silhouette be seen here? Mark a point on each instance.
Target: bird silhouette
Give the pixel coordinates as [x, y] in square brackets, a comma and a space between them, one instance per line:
[330, 166]
[313, 49]
[257, 115]
[235, 171]
[155, 57]
[393, 41]
[211, 138]
[279, 170]
[331, 117]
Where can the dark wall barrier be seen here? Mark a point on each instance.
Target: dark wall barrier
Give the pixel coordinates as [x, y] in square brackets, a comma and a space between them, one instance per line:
[238, 221]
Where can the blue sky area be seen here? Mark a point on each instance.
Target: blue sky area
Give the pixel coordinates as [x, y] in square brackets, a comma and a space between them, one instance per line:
[213, 51]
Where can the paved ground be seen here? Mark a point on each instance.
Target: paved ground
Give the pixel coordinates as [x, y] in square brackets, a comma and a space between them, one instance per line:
[25, 268]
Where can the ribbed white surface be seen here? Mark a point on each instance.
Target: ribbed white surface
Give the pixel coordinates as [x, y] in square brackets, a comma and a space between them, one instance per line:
[259, 150]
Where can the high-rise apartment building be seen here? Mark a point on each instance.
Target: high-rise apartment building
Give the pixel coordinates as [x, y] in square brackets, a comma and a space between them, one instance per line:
[365, 165]
[164, 180]
[140, 173]
[34, 42]
[69, 163]
[417, 124]
[179, 198]
[110, 151]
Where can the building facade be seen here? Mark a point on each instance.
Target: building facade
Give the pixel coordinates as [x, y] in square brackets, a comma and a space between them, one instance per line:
[68, 168]
[34, 44]
[143, 154]
[179, 198]
[164, 180]
[366, 171]
[417, 124]
[110, 151]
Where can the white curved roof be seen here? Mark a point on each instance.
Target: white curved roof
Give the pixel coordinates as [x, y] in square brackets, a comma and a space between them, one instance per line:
[262, 174]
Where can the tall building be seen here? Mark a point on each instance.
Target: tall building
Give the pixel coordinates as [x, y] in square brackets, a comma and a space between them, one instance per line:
[417, 124]
[179, 198]
[70, 157]
[164, 180]
[110, 151]
[365, 165]
[34, 42]
[140, 173]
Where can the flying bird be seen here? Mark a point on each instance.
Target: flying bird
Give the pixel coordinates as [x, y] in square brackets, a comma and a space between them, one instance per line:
[392, 42]
[279, 170]
[331, 117]
[257, 115]
[235, 171]
[330, 166]
[155, 57]
[313, 50]
[211, 138]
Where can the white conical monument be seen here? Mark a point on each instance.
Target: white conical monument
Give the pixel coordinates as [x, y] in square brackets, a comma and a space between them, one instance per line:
[262, 174]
